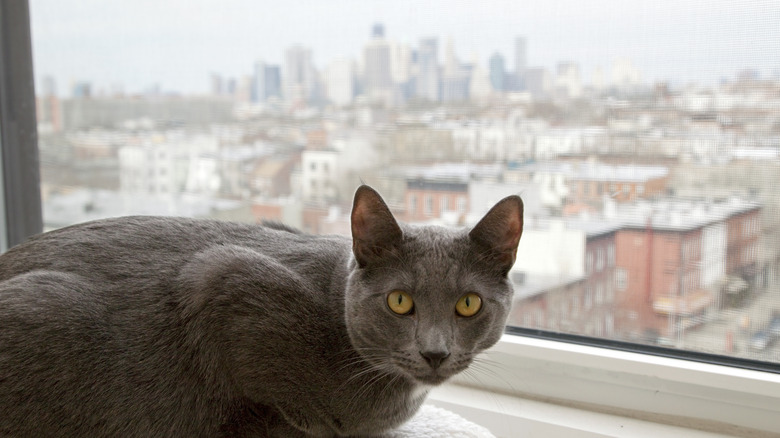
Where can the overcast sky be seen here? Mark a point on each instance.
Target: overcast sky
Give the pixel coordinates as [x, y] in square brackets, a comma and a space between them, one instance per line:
[178, 43]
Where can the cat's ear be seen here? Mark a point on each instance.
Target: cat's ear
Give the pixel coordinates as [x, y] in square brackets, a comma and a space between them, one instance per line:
[499, 232]
[375, 233]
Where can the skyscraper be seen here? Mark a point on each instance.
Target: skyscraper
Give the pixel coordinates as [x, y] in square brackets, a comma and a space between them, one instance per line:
[299, 75]
[479, 83]
[455, 77]
[400, 63]
[378, 31]
[217, 85]
[497, 72]
[521, 63]
[273, 81]
[401, 70]
[267, 82]
[377, 78]
[451, 63]
[428, 80]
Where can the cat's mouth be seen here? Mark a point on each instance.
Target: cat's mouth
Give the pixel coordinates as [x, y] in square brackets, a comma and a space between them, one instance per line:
[431, 376]
[426, 374]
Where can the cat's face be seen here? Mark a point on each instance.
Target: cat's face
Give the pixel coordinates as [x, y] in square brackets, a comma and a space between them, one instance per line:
[423, 301]
[429, 309]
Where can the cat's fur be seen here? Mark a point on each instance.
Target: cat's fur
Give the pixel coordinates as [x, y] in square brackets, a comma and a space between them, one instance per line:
[154, 327]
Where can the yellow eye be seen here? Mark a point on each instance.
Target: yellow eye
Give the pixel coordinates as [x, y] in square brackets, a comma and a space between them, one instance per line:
[400, 302]
[468, 305]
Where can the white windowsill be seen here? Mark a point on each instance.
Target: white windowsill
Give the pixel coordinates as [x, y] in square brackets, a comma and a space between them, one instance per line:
[529, 387]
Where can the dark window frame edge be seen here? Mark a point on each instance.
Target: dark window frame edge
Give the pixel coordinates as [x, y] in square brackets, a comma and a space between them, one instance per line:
[22, 208]
[648, 349]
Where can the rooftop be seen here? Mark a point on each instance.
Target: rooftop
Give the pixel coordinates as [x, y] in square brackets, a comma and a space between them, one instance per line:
[678, 214]
[528, 285]
[85, 205]
[589, 171]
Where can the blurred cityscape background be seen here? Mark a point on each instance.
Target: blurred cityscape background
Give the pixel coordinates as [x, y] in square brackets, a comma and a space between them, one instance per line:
[652, 213]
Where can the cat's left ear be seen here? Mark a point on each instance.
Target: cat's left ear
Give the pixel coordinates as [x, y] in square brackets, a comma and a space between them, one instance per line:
[500, 230]
[375, 232]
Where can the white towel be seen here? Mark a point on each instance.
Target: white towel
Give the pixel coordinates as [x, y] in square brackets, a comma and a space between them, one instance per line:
[433, 422]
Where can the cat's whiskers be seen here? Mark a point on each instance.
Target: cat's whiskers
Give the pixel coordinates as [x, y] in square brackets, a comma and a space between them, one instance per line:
[365, 387]
[472, 373]
[389, 384]
[486, 366]
[484, 357]
[366, 369]
[359, 367]
[366, 355]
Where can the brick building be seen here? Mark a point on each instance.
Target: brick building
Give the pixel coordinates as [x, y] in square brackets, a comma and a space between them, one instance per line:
[674, 259]
[647, 274]
[426, 200]
[589, 183]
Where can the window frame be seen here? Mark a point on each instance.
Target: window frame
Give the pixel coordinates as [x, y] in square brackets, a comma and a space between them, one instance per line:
[20, 175]
[532, 385]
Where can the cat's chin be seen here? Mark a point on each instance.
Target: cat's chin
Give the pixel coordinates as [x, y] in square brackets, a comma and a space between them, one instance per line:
[431, 379]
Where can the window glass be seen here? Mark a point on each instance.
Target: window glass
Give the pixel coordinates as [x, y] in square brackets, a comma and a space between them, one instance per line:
[245, 110]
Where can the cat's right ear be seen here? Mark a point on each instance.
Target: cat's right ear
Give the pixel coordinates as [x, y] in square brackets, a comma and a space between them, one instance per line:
[499, 232]
[375, 233]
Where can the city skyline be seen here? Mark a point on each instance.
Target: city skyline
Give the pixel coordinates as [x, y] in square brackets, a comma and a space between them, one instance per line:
[133, 45]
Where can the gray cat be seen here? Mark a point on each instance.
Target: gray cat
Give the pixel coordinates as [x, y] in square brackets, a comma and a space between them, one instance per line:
[157, 327]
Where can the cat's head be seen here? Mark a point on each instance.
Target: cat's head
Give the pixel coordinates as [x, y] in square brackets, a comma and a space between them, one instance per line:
[423, 301]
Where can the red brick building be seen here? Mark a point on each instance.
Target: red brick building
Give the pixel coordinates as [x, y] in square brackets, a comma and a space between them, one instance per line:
[661, 259]
[588, 182]
[426, 200]
[744, 230]
[657, 271]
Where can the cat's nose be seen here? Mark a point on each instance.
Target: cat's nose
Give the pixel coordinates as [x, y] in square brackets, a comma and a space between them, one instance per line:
[435, 358]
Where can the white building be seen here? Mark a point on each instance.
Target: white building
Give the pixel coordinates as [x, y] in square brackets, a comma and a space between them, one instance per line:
[340, 82]
[539, 82]
[567, 80]
[484, 141]
[625, 76]
[713, 254]
[319, 175]
[160, 164]
[554, 142]
[551, 249]
[170, 164]
[484, 195]
[479, 84]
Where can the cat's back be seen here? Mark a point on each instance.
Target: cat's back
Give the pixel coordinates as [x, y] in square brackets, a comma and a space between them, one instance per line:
[119, 249]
